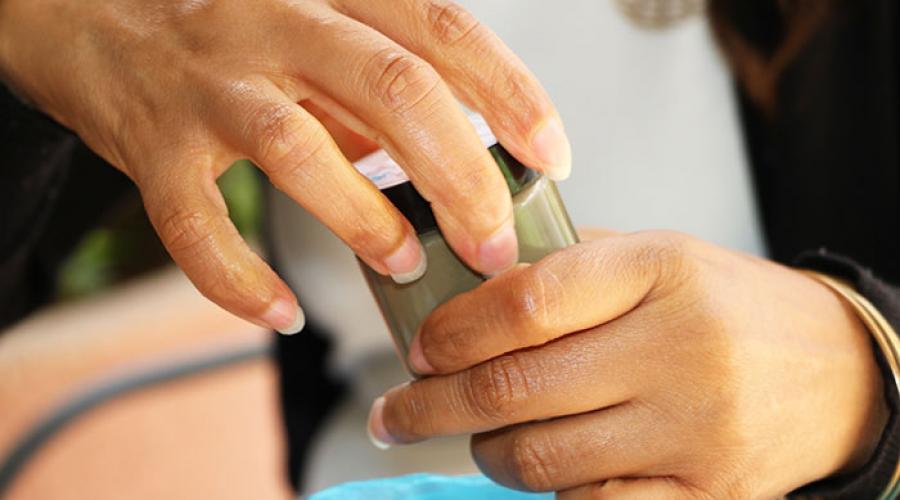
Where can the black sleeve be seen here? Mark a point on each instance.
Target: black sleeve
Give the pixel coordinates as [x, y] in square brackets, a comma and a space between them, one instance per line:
[873, 478]
[53, 189]
[36, 155]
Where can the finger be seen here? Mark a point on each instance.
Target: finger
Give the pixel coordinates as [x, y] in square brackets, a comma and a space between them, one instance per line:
[190, 216]
[576, 288]
[625, 440]
[482, 70]
[417, 120]
[301, 159]
[353, 145]
[652, 488]
[580, 373]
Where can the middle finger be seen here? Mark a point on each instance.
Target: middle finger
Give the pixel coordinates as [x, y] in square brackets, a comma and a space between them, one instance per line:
[412, 114]
[625, 440]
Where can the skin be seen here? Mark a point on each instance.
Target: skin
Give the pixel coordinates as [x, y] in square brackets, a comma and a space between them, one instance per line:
[646, 365]
[172, 92]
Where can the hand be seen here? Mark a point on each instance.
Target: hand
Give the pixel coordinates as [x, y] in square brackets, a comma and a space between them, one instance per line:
[173, 91]
[648, 365]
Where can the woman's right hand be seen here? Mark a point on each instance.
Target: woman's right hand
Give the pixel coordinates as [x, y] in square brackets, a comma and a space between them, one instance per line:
[171, 92]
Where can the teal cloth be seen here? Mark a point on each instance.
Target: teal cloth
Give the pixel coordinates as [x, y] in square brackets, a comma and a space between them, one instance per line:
[426, 487]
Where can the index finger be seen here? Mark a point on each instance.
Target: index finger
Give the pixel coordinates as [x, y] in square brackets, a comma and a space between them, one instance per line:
[580, 287]
[577, 374]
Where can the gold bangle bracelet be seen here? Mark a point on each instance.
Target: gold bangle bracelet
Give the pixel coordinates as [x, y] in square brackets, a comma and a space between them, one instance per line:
[887, 340]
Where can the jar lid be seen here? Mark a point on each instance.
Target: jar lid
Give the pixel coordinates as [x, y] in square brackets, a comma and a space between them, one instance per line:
[387, 175]
[384, 172]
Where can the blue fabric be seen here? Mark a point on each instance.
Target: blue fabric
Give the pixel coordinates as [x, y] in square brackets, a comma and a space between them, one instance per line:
[426, 487]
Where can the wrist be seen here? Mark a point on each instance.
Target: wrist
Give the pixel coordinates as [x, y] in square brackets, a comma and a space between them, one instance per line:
[872, 417]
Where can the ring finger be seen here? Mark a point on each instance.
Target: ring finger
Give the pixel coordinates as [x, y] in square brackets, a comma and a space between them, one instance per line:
[626, 440]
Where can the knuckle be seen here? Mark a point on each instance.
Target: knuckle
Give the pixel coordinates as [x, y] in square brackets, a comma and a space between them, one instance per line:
[474, 190]
[444, 340]
[183, 231]
[707, 327]
[669, 247]
[542, 300]
[401, 81]
[198, 241]
[412, 417]
[532, 464]
[189, 236]
[669, 254]
[375, 239]
[518, 94]
[286, 141]
[520, 302]
[450, 23]
[509, 86]
[534, 303]
[497, 389]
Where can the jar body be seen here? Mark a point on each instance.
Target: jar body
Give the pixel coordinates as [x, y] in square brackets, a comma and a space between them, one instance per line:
[542, 226]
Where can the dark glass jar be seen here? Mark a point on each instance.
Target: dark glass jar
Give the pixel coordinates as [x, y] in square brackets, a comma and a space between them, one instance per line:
[542, 226]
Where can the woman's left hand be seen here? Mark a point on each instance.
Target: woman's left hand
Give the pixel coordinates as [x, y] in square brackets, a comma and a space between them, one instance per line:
[648, 365]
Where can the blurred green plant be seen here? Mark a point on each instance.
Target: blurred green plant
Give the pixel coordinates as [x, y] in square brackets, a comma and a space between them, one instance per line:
[127, 246]
[243, 194]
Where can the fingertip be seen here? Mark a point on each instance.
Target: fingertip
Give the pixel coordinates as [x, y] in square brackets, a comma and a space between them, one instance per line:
[417, 360]
[408, 263]
[551, 146]
[500, 251]
[285, 317]
[376, 429]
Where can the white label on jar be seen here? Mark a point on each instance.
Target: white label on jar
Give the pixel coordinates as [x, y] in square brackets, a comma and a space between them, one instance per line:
[384, 172]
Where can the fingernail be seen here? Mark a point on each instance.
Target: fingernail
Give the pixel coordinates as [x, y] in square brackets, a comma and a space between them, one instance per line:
[551, 145]
[417, 360]
[378, 433]
[408, 263]
[500, 251]
[285, 317]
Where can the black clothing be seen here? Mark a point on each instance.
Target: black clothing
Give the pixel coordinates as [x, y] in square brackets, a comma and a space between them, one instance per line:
[826, 168]
[827, 164]
[308, 392]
